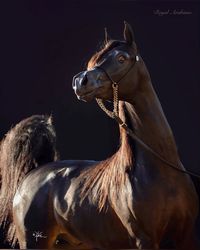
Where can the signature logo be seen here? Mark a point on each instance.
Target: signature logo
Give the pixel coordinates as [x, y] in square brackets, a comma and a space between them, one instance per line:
[38, 235]
[175, 12]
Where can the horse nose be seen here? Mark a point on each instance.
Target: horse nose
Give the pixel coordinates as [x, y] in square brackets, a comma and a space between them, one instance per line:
[79, 80]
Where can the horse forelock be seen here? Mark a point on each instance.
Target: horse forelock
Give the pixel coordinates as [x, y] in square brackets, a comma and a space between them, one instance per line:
[104, 181]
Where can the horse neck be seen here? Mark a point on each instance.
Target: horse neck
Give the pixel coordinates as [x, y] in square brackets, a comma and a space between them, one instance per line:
[151, 126]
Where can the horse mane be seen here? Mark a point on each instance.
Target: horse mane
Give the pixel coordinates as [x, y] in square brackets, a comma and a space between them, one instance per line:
[31, 143]
[107, 179]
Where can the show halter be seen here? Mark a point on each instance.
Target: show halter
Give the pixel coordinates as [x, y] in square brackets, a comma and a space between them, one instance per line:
[115, 113]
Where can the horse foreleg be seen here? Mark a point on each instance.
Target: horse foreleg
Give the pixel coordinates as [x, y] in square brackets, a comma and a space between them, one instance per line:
[147, 243]
[141, 244]
[186, 239]
[186, 242]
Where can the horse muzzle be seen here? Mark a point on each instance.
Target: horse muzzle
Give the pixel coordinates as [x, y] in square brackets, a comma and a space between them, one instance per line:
[86, 85]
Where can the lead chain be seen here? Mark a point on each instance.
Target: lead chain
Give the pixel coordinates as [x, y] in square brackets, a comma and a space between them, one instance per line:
[115, 111]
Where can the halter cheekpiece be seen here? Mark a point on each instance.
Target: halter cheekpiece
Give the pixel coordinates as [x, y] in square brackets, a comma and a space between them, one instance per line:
[115, 113]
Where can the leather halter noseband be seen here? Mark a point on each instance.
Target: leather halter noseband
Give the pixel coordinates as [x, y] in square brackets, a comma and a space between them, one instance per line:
[115, 115]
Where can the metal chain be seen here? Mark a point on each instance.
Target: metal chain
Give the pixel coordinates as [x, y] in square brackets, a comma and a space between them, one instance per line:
[115, 111]
[113, 114]
[115, 99]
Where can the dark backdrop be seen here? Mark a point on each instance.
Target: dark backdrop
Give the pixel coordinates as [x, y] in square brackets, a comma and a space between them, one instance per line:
[43, 44]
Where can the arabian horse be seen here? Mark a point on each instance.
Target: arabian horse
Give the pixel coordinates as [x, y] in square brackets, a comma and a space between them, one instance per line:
[133, 199]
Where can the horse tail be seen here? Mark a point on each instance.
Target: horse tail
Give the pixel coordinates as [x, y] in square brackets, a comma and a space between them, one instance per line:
[31, 143]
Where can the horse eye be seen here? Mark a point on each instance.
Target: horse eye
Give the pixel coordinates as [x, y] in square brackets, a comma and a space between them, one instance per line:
[121, 59]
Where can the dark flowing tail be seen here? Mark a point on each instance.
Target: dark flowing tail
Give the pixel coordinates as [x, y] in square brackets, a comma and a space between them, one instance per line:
[31, 143]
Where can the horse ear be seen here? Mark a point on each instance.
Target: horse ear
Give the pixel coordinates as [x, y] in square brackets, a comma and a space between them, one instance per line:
[128, 33]
[107, 37]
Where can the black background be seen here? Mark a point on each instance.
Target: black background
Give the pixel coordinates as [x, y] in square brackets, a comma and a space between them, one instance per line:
[44, 43]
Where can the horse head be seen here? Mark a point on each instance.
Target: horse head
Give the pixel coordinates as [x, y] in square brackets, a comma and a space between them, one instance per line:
[115, 64]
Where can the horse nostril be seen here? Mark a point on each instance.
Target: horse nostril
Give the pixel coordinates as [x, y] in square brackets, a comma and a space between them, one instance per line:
[84, 80]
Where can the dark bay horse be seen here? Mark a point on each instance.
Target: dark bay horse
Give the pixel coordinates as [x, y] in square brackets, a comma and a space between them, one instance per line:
[132, 199]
